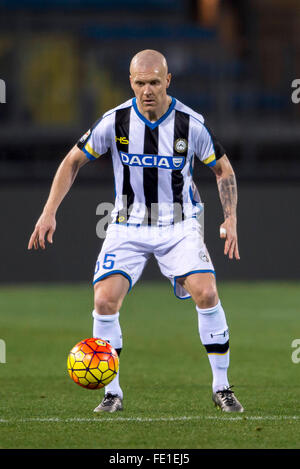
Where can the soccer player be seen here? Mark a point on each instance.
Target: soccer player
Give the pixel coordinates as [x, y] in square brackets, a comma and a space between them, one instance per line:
[153, 139]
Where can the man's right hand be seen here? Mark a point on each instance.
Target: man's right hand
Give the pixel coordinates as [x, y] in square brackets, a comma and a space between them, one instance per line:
[45, 225]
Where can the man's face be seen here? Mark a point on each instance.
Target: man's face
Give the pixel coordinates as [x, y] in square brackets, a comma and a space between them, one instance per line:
[150, 88]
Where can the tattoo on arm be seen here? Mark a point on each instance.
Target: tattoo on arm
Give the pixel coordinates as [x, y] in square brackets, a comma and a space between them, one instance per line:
[228, 194]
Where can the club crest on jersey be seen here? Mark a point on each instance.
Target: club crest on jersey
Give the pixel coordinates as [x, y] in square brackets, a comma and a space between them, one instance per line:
[152, 161]
[180, 145]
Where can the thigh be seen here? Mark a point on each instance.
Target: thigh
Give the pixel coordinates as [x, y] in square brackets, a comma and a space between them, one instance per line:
[183, 255]
[111, 291]
[202, 288]
[121, 254]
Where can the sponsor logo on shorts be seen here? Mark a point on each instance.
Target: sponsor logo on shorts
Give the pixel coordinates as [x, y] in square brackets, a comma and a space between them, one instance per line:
[152, 161]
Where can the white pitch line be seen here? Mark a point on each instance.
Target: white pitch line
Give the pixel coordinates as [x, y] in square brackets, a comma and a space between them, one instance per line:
[151, 419]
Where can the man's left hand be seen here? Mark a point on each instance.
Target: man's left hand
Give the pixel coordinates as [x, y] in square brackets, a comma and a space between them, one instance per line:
[229, 233]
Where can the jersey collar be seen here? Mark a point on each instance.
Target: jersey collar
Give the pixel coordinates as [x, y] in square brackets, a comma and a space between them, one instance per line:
[153, 125]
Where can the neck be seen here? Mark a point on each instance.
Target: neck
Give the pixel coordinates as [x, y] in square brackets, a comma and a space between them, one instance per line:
[155, 114]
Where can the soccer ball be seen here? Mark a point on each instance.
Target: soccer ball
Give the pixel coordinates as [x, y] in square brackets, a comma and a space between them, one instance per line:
[93, 363]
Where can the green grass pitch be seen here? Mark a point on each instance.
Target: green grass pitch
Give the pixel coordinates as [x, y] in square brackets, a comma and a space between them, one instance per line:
[165, 372]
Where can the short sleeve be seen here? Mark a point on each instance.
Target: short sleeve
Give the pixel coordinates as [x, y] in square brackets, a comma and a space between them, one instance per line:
[207, 147]
[97, 140]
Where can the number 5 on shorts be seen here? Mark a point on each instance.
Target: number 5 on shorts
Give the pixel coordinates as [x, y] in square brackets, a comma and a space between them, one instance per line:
[108, 262]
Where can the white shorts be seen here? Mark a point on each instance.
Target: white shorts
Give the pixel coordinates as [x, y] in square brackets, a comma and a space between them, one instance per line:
[179, 250]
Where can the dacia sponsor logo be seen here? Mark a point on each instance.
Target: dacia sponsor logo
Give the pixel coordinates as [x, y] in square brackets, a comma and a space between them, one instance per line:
[152, 161]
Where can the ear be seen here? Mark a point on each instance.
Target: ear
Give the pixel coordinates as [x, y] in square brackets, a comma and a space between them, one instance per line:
[130, 79]
[169, 76]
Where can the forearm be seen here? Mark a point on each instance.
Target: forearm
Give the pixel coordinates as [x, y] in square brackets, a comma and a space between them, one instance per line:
[228, 194]
[62, 182]
[61, 185]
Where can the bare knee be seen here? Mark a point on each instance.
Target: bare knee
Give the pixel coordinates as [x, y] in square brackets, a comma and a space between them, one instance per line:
[105, 302]
[206, 296]
[109, 294]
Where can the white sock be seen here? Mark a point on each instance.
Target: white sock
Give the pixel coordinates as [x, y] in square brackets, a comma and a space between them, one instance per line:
[214, 335]
[107, 327]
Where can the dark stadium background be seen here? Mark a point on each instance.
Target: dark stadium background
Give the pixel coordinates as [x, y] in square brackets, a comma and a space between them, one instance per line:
[66, 62]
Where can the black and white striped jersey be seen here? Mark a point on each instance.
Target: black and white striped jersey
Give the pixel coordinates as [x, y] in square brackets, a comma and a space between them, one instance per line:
[153, 162]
